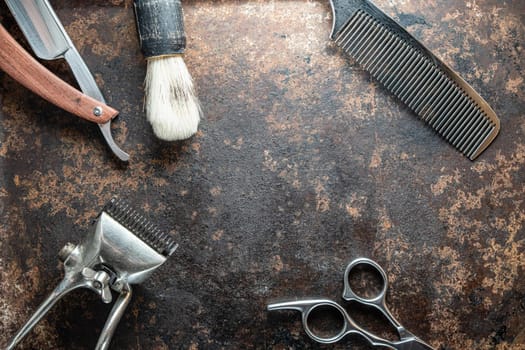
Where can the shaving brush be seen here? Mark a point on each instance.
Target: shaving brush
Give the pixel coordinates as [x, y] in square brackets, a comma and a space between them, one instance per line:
[172, 107]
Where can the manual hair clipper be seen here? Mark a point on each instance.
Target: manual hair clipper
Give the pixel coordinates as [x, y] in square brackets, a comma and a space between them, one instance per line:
[123, 250]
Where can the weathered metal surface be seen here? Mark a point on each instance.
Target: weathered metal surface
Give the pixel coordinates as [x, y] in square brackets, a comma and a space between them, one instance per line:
[302, 163]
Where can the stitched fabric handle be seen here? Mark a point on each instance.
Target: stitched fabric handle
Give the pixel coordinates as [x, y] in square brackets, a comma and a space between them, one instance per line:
[160, 26]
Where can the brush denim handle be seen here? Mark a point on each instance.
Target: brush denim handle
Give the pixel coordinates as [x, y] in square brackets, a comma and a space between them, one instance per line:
[160, 26]
[22, 67]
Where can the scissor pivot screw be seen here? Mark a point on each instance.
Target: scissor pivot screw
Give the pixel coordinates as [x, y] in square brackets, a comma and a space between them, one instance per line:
[97, 111]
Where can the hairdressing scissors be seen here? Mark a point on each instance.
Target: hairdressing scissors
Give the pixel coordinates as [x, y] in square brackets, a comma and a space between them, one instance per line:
[407, 341]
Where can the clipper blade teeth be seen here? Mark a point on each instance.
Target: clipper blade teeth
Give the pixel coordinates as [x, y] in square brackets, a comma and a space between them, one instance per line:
[141, 227]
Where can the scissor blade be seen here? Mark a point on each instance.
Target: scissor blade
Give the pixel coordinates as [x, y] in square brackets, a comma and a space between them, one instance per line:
[298, 305]
[412, 344]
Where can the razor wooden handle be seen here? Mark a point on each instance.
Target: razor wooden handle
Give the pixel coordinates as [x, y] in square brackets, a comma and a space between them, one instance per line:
[22, 67]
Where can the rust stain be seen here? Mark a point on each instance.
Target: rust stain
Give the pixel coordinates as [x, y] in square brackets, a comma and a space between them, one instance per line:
[515, 85]
[356, 206]
[503, 251]
[216, 191]
[376, 160]
[323, 201]
[277, 264]
[218, 235]
[445, 181]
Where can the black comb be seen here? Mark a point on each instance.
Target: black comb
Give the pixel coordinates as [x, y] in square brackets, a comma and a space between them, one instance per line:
[141, 227]
[440, 97]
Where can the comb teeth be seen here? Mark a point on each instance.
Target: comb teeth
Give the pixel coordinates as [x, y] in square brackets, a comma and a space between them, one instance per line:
[140, 227]
[420, 81]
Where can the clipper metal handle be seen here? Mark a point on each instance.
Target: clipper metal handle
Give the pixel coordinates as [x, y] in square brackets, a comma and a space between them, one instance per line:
[79, 276]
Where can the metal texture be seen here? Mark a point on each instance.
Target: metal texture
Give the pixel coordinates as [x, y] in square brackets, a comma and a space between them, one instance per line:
[407, 69]
[302, 163]
[111, 258]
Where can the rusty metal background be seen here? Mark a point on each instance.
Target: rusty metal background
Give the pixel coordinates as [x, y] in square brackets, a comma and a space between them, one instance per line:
[301, 164]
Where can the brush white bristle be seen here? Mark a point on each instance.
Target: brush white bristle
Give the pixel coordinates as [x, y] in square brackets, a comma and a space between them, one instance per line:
[172, 106]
